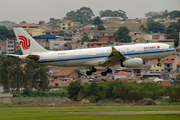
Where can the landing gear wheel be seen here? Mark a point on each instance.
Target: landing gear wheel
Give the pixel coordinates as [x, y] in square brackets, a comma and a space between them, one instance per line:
[104, 73]
[159, 64]
[109, 71]
[94, 69]
[89, 72]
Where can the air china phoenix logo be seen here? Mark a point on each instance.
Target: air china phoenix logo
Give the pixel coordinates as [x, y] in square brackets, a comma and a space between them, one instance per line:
[25, 43]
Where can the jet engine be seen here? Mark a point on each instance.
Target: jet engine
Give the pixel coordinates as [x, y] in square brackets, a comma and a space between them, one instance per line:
[133, 62]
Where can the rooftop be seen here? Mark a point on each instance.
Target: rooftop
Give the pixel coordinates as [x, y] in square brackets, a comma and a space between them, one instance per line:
[122, 72]
[64, 72]
[27, 24]
[171, 57]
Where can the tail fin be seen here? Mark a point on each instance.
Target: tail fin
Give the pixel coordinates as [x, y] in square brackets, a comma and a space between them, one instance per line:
[27, 43]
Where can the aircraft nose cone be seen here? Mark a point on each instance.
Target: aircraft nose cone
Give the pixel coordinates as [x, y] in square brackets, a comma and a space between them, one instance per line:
[174, 50]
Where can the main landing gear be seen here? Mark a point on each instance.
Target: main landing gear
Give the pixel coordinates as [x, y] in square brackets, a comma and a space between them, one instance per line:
[108, 70]
[91, 71]
[159, 64]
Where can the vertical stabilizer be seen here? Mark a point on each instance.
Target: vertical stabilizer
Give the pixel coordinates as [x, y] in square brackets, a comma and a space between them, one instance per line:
[27, 43]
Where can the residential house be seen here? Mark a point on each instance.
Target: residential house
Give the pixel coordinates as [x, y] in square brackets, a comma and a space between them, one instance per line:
[139, 40]
[45, 26]
[61, 83]
[64, 26]
[56, 44]
[38, 32]
[96, 44]
[123, 75]
[130, 80]
[86, 29]
[171, 62]
[155, 36]
[164, 83]
[156, 68]
[29, 27]
[74, 26]
[102, 35]
[178, 65]
[2, 47]
[137, 72]
[67, 46]
[9, 46]
[170, 20]
[66, 73]
[167, 41]
[16, 46]
[133, 27]
[111, 20]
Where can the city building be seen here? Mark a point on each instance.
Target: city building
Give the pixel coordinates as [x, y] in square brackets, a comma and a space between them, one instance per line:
[7, 24]
[10, 46]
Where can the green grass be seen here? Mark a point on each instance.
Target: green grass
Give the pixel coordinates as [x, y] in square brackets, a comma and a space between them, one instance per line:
[92, 108]
[60, 116]
[55, 113]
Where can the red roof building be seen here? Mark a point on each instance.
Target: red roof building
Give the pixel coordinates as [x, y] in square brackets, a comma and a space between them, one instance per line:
[66, 72]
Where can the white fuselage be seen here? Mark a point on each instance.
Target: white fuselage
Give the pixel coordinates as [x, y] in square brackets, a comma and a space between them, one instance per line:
[81, 57]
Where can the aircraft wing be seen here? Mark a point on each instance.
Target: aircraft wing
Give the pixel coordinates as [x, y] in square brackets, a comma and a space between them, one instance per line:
[114, 58]
[27, 57]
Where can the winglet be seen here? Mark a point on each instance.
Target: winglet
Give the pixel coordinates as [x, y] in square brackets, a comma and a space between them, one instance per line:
[114, 52]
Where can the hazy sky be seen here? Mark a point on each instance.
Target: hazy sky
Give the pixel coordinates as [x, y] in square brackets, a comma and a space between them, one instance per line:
[32, 11]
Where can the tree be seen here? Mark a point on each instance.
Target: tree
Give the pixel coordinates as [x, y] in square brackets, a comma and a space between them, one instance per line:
[35, 76]
[171, 92]
[73, 90]
[83, 15]
[155, 27]
[177, 80]
[143, 28]
[60, 33]
[110, 13]
[97, 21]
[53, 21]
[174, 14]
[93, 92]
[101, 27]
[175, 26]
[23, 22]
[164, 15]
[85, 39]
[5, 33]
[41, 22]
[122, 35]
[173, 34]
[71, 16]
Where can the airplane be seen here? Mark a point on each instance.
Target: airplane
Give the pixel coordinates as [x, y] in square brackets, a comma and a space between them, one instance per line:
[125, 55]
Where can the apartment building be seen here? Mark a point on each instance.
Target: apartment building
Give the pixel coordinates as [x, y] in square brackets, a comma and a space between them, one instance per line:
[9, 46]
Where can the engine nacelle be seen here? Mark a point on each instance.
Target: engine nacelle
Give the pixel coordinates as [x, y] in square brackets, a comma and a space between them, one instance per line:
[133, 62]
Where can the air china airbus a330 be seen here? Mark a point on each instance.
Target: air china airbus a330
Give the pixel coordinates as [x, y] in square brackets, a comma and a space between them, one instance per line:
[126, 56]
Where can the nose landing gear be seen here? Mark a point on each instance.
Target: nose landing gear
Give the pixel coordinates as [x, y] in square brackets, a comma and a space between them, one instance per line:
[159, 64]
